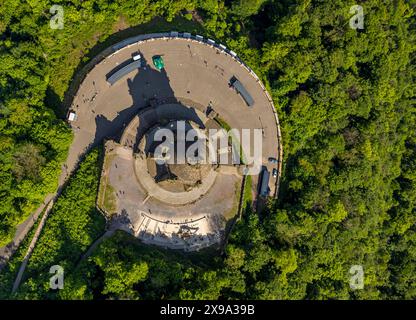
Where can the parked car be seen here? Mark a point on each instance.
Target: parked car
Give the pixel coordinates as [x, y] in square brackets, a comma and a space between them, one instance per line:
[158, 62]
[272, 160]
[72, 116]
[264, 187]
[274, 173]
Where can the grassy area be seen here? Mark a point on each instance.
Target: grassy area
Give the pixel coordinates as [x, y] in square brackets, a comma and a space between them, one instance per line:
[110, 201]
[247, 193]
[106, 200]
[233, 211]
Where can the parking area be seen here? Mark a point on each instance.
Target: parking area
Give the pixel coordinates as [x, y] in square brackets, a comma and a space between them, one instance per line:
[195, 71]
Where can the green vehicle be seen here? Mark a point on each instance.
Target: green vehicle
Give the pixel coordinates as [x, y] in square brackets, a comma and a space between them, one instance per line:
[158, 62]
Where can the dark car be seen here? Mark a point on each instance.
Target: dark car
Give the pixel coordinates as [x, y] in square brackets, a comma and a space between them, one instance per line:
[274, 173]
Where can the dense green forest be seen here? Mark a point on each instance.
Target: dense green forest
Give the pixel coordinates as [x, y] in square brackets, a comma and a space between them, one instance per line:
[72, 227]
[346, 103]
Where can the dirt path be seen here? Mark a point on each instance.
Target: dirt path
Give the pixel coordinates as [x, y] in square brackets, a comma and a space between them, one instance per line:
[90, 250]
[32, 246]
[21, 232]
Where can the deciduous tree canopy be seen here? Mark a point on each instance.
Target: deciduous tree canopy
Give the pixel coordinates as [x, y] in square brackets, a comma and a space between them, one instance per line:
[345, 98]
